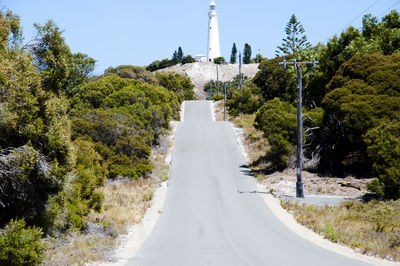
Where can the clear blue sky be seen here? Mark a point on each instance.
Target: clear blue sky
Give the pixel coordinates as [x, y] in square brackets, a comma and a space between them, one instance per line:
[134, 32]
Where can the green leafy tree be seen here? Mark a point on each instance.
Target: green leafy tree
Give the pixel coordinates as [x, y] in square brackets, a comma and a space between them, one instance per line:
[363, 94]
[274, 81]
[38, 157]
[188, 59]
[233, 54]
[11, 31]
[61, 70]
[295, 40]
[246, 53]
[258, 58]
[155, 65]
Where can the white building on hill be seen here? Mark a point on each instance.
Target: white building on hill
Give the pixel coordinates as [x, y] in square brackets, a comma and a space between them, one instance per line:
[200, 58]
[213, 49]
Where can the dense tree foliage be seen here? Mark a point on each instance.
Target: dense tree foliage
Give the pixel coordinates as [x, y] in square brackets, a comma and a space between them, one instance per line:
[351, 104]
[63, 132]
[188, 59]
[274, 81]
[61, 70]
[295, 40]
[364, 95]
[38, 156]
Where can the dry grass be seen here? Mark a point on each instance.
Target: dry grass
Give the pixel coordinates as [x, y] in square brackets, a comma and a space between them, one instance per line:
[371, 228]
[125, 203]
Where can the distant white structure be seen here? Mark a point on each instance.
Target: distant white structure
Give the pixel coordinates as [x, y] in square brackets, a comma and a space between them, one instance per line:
[200, 58]
[213, 50]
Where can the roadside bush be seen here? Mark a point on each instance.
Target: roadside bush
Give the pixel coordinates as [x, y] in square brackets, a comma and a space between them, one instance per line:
[124, 118]
[277, 120]
[383, 147]
[181, 85]
[248, 101]
[217, 97]
[20, 245]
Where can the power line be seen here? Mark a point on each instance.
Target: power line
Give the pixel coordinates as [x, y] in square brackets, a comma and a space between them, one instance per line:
[362, 13]
[359, 15]
[398, 2]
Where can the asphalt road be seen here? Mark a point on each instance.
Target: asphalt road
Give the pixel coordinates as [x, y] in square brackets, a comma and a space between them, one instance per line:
[212, 213]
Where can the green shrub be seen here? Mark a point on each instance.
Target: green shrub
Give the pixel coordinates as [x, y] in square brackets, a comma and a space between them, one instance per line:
[20, 245]
[181, 85]
[219, 60]
[217, 97]
[246, 101]
[132, 72]
[383, 147]
[124, 118]
[188, 59]
[278, 122]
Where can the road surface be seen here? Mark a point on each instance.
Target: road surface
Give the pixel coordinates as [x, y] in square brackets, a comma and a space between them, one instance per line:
[212, 213]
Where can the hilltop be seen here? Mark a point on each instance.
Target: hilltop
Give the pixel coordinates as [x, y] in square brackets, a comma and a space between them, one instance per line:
[202, 72]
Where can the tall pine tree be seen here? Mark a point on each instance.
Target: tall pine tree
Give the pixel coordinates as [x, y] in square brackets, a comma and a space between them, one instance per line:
[295, 39]
[233, 54]
[180, 54]
[246, 54]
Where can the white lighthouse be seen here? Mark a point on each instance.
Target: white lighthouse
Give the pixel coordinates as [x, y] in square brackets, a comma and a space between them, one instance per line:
[213, 50]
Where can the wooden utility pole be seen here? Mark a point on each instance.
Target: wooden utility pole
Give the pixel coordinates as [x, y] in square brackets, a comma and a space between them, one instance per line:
[299, 151]
[225, 102]
[217, 80]
[240, 72]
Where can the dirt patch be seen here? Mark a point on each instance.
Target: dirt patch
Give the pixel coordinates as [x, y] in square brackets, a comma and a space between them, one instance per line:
[284, 183]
